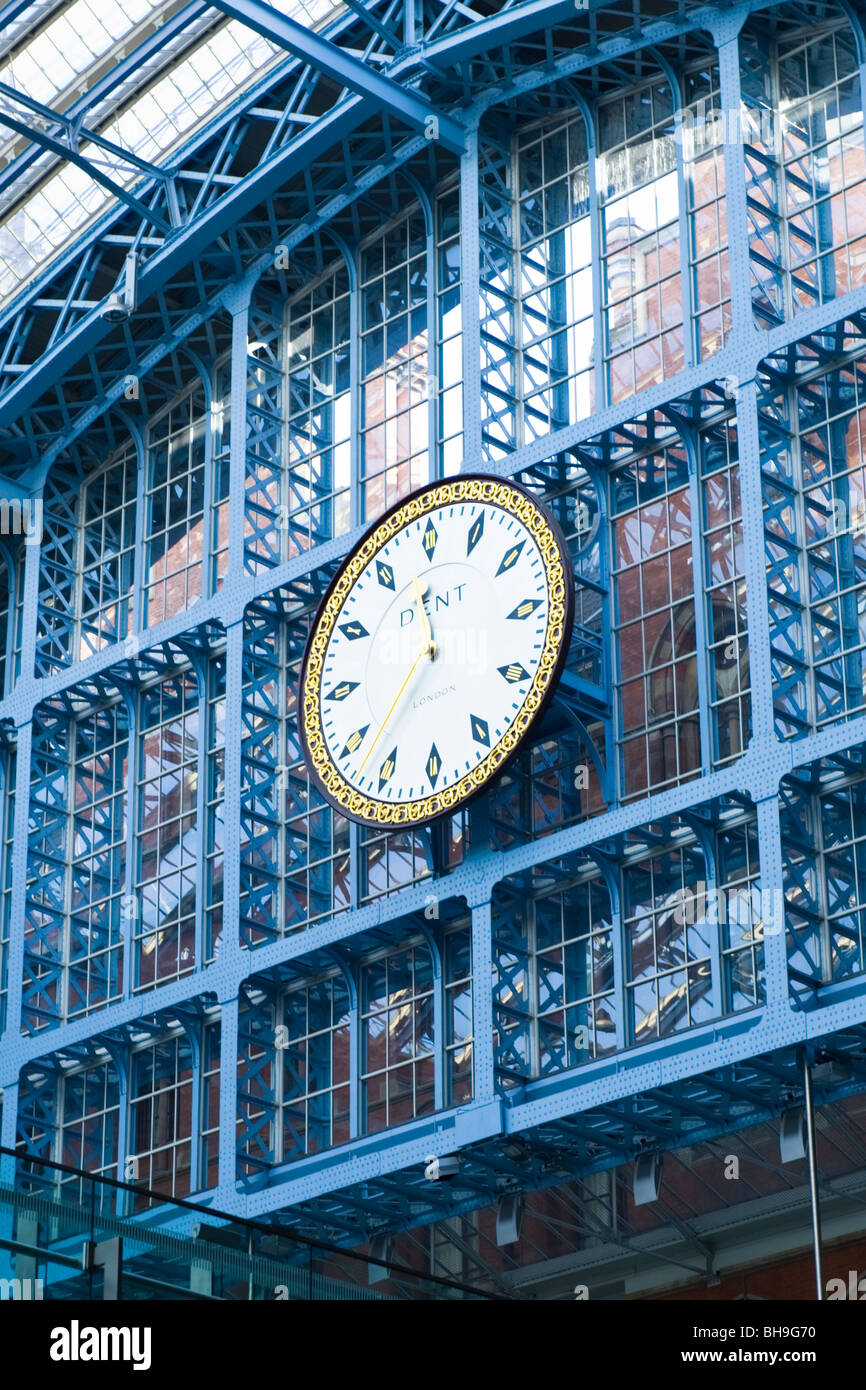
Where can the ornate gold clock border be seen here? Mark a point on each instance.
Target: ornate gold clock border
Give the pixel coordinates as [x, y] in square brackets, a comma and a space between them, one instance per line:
[467, 488]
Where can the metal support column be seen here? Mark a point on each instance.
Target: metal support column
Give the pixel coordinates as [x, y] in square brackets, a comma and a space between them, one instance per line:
[813, 1180]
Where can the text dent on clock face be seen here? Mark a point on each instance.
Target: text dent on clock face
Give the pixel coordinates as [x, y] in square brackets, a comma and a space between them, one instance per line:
[411, 703]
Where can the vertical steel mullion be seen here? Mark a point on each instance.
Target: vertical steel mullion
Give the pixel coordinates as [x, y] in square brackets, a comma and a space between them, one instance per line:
[230, 938]
[18, 886]
[197, 1056]
[8, 1140]
[823, 891]
[754, 566]
[533, 1000]
[239, 307]
[68, 873]
[352, 976]
[124, 1128]
[78, 581]
[433, 345]
[798, 507]
[353, 266]
[687, 288]
[30, 613]
[772, 865]
[515, 294]
[716, 915]
[279, 1087]
[352, 258]
[7, 633]
[483, 1079]
[470, 289]
[616, 768]
[57, 1137]
[201, 762]
[140, 542]
[437, 963]
[736, 206]
[601, 393]
[701, 595]
[132, 913]
[228, 1096]
[233, 751]
[619, 951]
[282, 787]
[210, 518]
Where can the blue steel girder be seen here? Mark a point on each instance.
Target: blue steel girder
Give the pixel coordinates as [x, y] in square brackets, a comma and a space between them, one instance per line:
[100, 90]
[612, 1118]
[590, 1139]
[73, 132]
[150, 217]
[345, 68]
[84, 335]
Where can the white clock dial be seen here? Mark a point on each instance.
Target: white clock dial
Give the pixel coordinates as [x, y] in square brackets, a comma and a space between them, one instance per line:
[447, 632]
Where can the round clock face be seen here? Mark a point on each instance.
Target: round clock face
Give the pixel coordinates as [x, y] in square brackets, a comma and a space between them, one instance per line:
[434, 650]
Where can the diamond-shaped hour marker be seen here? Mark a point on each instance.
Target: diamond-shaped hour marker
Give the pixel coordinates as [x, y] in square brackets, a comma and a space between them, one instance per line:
[509, 559]
[340, 691]
[386, 771]
[354, 741]
[434, 765]
[525, 607]
[513, 673]
[385, 573]
[354, 630]
[429, 539]
[480, 730]
[476, 531]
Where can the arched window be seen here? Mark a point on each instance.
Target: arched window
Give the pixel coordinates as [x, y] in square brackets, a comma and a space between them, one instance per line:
[177, 546]
[639, 198]
[805, 159]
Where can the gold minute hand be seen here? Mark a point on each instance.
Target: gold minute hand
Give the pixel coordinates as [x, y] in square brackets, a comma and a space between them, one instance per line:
[425, 651]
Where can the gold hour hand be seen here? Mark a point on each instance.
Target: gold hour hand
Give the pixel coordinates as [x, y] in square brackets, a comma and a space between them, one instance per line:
[420, 591]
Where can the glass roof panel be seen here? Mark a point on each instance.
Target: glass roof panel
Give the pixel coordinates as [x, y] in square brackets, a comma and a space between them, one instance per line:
[67, 47]
[148, 126]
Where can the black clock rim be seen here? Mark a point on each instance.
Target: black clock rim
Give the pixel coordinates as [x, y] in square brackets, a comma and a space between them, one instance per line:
[567, 632]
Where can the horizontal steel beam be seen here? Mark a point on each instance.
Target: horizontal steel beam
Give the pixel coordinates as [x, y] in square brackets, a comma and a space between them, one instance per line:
[329, 130]
[346, 69]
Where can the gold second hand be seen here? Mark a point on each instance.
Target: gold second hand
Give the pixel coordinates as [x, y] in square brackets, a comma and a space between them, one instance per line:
[428, 650]
[425, 651]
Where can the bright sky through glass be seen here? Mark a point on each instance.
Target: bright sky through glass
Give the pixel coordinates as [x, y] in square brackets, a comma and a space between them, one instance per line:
[61, 55]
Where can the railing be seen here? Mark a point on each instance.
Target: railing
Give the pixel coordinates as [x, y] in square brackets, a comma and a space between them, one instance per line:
[61, 1238]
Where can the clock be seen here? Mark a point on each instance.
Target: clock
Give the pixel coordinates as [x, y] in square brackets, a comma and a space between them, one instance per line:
[435, 650]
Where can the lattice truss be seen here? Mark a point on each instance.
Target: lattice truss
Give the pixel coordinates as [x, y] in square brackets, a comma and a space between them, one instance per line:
[617, 252]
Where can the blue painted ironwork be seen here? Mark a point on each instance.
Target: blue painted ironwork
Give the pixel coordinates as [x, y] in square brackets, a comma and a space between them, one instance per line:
[546, 987]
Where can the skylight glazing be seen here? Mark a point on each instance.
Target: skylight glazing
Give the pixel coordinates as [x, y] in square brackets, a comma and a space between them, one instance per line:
[68, 46]
[149, 126]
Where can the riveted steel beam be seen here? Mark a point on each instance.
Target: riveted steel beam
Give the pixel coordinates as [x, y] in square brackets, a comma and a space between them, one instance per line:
[343, 67]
